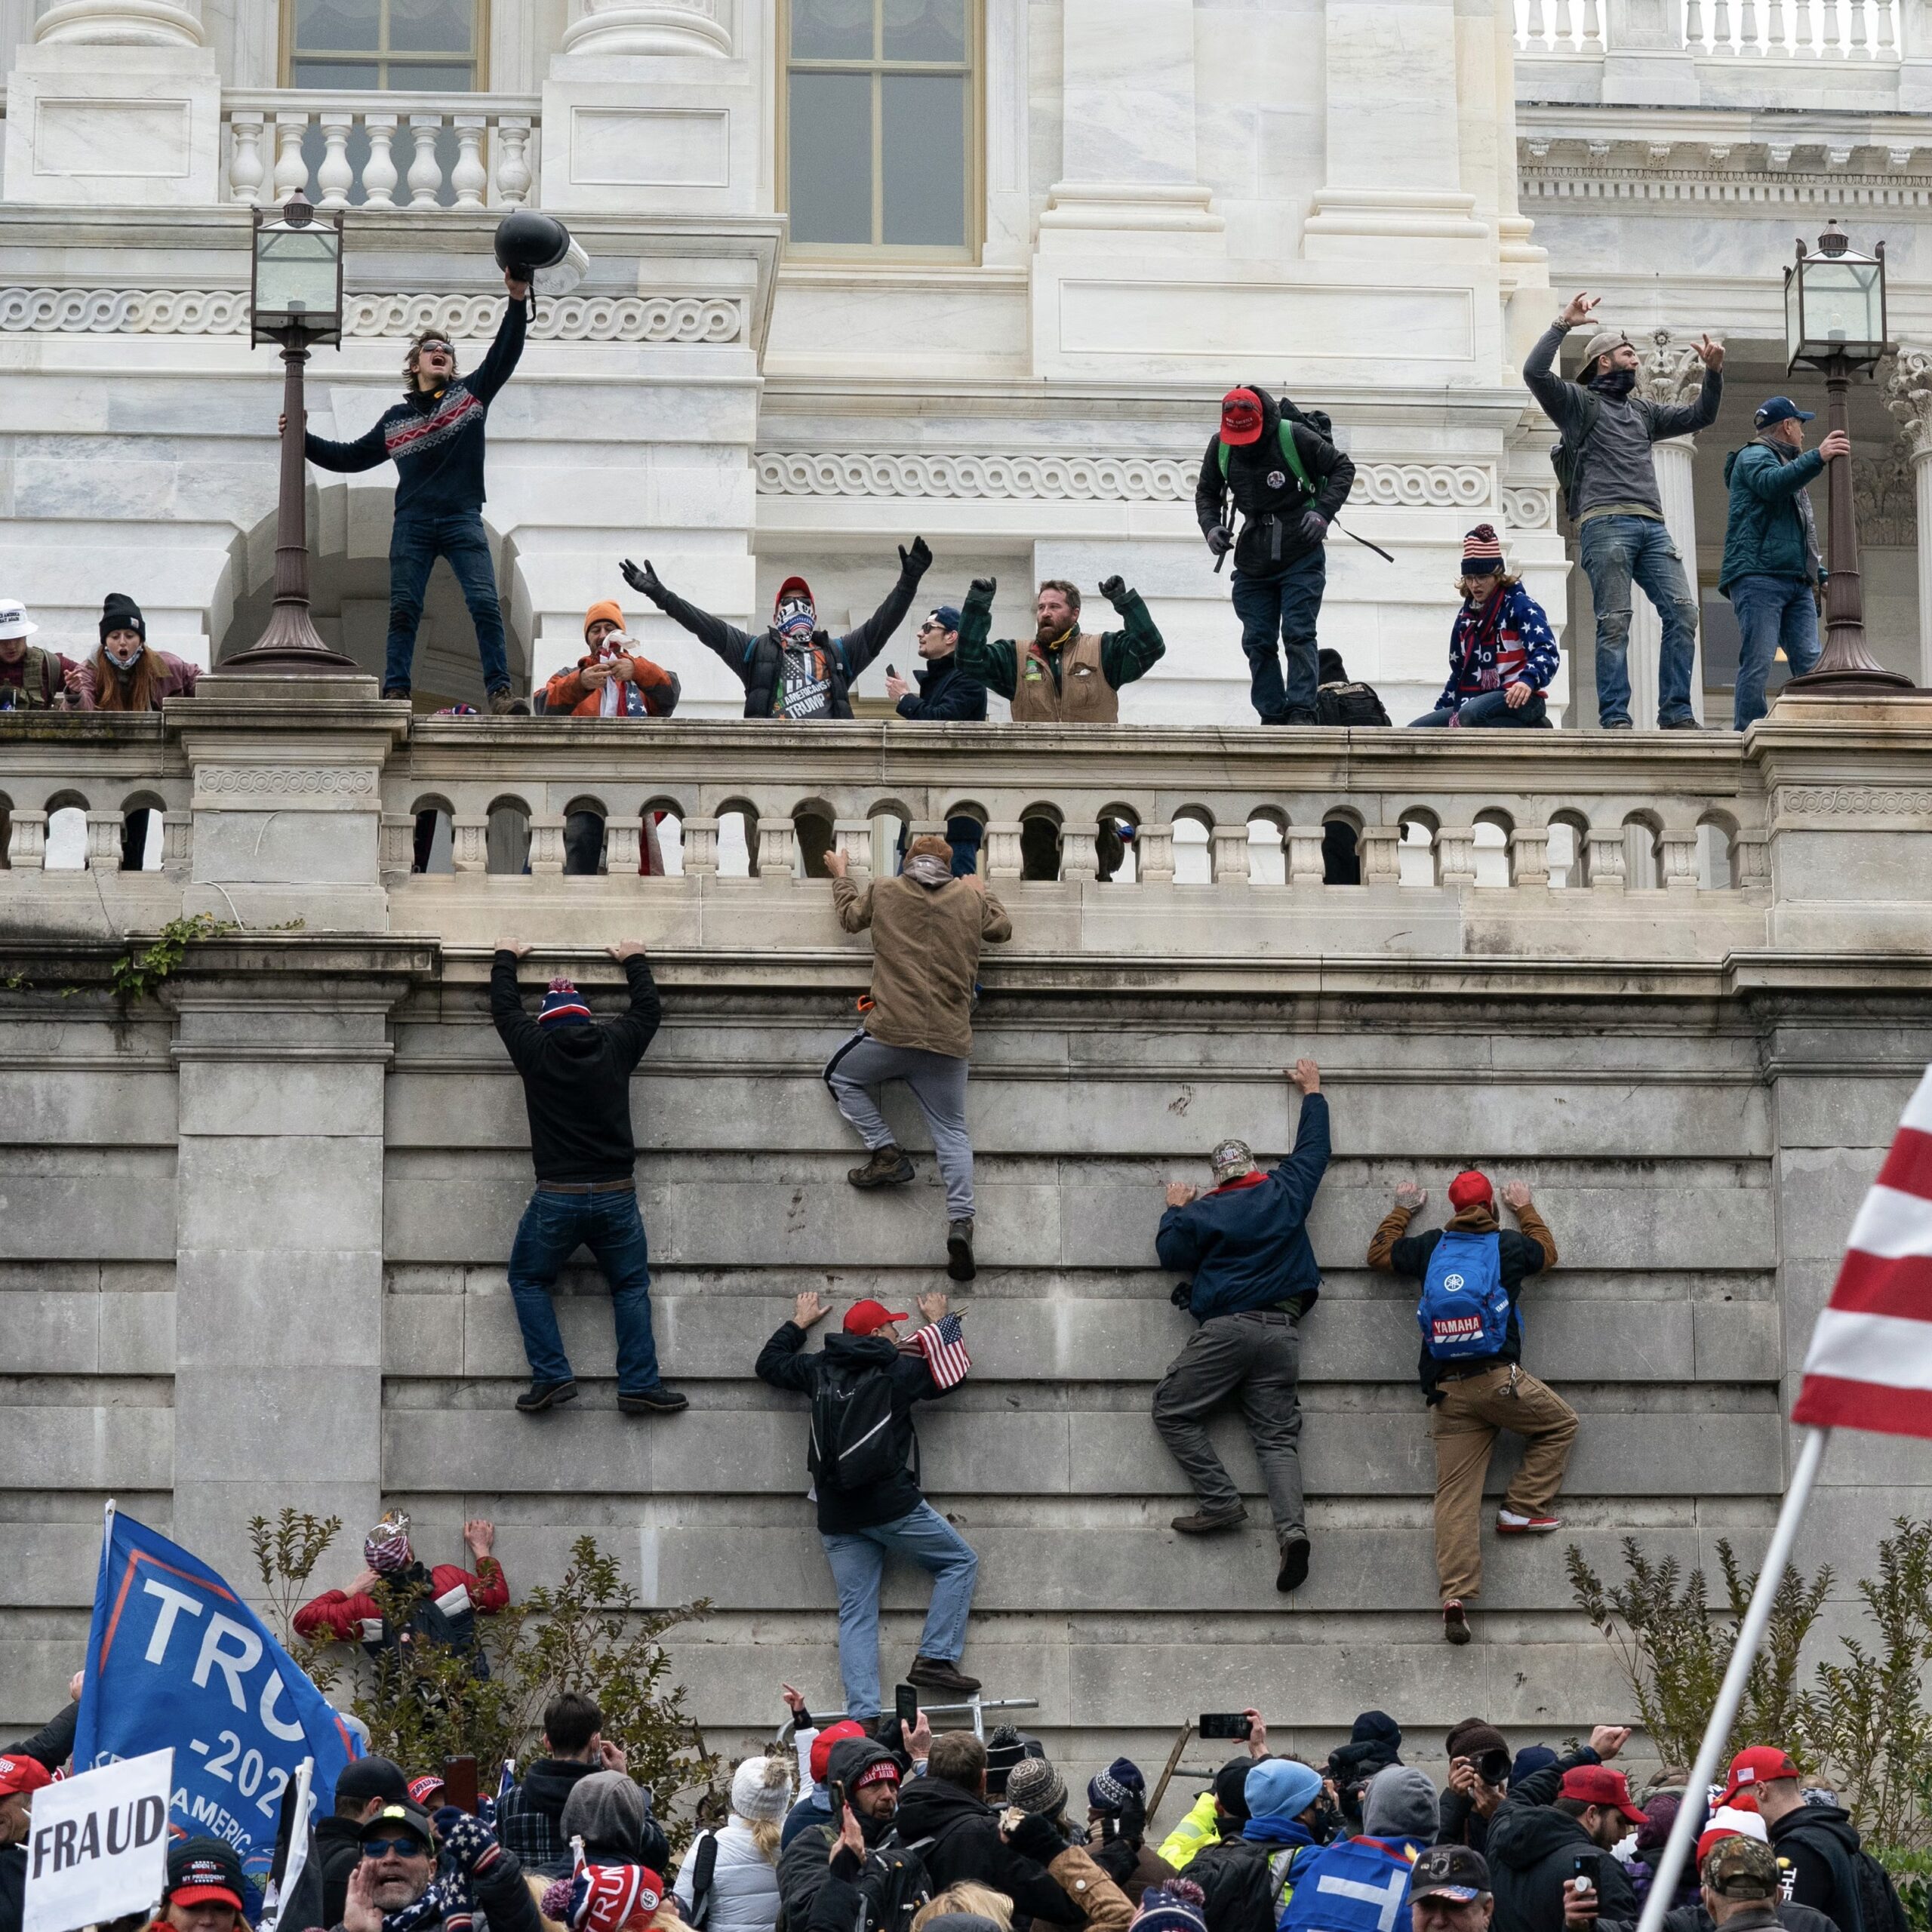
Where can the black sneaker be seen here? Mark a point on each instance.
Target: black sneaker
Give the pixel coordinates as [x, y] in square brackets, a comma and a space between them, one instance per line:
[1300, 717]
[1618, 724]
[1679, 725]
[939, 1674]
[1293, 1572]
[887, 1168]
[543, 1395]
[657, 1401]
[959, 1249]
[396, 691]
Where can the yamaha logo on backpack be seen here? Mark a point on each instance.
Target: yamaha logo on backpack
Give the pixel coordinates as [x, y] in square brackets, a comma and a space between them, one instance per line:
[1452, 1282]
[1464, 1310]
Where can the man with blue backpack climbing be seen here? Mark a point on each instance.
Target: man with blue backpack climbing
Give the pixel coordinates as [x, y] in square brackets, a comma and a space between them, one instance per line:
[1472, 1271]
[1279, 467]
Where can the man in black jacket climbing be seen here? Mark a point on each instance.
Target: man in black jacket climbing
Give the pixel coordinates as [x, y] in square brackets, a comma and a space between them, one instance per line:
[861, 1860]
[793, 669]
[862, 1384]
[576, 1078]
[1578, 1803]
[1289, 482]
[946, 695]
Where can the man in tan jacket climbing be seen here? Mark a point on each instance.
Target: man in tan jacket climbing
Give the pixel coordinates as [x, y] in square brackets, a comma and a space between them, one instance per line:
[928, 928]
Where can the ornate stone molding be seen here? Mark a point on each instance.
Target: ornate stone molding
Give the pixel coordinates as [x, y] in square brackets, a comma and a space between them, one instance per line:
[1884, 496]
[1669, 373]
[1462, 486]
[286, 781]
[1858, 802]
[648, 26]
[1529, 507]
[1909, 396]
[686, 318]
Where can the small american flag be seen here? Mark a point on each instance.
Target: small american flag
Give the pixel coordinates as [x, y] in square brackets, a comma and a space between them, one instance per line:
[943, 1345]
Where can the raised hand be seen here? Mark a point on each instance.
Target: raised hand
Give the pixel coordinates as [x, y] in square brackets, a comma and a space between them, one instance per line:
[1180, 1194]
[361, 1913]
[643, 579]
[1607, 1739]
[1516, 1194]
[983, 588]
[836, 863]
[1409, 1195]
[808, 1309]
[1307, 1075]
[916, 561]
[480, 1535]
[1710, 353]
[626, 948]
[519, 291]
[931, 1305]
[1113, 589]
[1578, 312]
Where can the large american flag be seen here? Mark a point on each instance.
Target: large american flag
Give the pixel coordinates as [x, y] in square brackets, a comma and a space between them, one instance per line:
[943, 1345]
[1870, 1364]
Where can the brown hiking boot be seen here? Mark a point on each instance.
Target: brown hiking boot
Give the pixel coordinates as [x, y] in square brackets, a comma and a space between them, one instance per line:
[1205, 1522]
[887, 1168]
[1455, 1624]
[941, 1674]
[506, 703]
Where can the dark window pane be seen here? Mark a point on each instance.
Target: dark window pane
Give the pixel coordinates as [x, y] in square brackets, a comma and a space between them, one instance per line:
[925, 160]
[432, 77]
[832, 29]
[336, 24]
[831, 133]
[336, 74]
[430, 27]
[925, 29]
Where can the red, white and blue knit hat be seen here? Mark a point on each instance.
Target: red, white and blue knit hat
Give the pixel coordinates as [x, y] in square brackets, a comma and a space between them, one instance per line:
[1482, 552]
[562, 1004]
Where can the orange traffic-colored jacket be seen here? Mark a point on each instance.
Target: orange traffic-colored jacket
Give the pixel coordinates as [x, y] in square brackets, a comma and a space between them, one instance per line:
[654, 686]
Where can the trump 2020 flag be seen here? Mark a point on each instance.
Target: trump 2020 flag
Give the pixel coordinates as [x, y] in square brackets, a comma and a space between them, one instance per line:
[175, 1657]
[1870, 1364]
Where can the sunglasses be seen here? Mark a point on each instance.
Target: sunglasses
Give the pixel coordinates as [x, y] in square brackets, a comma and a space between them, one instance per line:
[402, 1848]
[437, 348]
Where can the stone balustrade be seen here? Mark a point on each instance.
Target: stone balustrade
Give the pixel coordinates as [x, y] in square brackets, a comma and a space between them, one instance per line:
[1799, 30]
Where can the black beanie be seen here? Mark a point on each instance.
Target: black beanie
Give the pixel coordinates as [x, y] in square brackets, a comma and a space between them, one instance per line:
[121, 613]
[1231, 1788]
[1330, 666]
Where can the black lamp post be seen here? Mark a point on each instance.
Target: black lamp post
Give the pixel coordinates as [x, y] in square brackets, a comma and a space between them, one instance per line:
[1835, 322]
[295, 299]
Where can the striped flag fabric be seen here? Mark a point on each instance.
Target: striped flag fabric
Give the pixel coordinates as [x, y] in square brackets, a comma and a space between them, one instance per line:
[943, 1344]
[1870, 1363]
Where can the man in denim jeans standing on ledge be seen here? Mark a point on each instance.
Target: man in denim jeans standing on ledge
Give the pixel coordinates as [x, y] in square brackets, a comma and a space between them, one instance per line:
[576, 1079]
[1610, 492]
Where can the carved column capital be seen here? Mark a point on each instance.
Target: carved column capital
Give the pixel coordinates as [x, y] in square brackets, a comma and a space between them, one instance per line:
[1909, 396]
[1669, 373]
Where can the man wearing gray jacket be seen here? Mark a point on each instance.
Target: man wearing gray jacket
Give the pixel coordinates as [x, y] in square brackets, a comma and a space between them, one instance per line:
[1610, 492]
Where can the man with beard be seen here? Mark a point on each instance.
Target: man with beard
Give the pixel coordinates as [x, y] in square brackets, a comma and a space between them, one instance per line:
[1064, 675]
[399, 1875]
[793, 669]
[1609, 485]
[888, 1876]
[1578, 1803]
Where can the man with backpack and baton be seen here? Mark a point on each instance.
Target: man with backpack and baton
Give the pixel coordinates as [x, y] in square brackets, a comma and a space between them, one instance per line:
[1278, 468]
[863, 1456]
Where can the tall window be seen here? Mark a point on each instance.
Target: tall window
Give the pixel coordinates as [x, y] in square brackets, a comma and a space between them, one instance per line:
[879, 101]
[406, 46]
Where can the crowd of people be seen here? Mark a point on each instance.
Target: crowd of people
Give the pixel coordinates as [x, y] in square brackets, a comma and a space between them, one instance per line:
[881, 1825]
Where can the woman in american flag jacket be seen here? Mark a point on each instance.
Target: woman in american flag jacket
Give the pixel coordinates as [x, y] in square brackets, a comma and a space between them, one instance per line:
[1502, 651]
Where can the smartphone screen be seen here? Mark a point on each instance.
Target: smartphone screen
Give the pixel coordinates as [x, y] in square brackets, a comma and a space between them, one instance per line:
[1223, 1723]
[906, 1697]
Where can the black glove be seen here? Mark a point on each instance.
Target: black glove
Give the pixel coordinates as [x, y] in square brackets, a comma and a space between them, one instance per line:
[1314, 527]
[1182, 1296]
[1113, 589]
[644, 580]
[983, 588]
[1220, 540]
[916, 561]
[1035, 1837]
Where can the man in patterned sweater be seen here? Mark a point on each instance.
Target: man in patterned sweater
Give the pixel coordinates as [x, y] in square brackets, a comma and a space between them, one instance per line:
[1502, 651]
[435, 437]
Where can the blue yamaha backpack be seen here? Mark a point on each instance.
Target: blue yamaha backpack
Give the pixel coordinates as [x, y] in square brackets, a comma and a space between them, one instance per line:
[1465, 1309]
[1351, 1886]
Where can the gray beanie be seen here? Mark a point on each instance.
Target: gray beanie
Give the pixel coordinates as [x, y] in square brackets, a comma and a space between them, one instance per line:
[606, 1808]
[1033, 1784]
[1400, 1804]
[1601, 343]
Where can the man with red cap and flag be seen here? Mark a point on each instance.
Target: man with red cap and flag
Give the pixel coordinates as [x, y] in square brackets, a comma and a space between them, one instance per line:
[1279, 469]
[862, 1384]
[793, 669]
[1472, 1270]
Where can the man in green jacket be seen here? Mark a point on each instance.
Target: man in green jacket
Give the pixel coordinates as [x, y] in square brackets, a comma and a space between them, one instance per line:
[1064, 674]
[1771, 563]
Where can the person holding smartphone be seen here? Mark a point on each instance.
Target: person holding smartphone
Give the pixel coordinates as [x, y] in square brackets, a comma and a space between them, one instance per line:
[828, 1872]
[1576, 1808]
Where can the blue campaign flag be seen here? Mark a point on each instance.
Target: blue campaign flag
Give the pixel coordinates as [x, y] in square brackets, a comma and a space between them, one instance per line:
[175, 1657]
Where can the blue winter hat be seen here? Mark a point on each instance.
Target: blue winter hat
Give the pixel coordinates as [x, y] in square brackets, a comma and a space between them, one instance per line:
[1110, 1791]
[1281, 1787]
[1532, 1759]
[563, 1005]
[945, 616]
[1780, 409]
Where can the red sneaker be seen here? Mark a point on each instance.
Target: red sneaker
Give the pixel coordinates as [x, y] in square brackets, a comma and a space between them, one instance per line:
[1507, 1524]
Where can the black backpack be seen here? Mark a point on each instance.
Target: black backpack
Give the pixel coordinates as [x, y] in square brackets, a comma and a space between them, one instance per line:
[1349, 704]
[704, 1867]
[853, 1429]
[1880, 1908]
[429, 1623]
[1567, 458]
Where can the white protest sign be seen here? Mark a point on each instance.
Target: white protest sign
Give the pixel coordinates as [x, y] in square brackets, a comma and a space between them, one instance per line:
[98, 1845]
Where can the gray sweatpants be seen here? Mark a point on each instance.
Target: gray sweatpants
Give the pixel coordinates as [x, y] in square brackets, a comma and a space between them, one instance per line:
[938, 1081]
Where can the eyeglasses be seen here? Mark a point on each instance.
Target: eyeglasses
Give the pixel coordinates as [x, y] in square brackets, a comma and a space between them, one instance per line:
[408, 1848]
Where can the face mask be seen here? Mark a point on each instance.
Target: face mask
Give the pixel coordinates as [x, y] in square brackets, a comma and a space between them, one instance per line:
[124, 660]
[1616, 382]
[797, 619]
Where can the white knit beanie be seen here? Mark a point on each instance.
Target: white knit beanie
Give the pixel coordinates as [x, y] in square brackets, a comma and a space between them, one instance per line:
[762, 1789]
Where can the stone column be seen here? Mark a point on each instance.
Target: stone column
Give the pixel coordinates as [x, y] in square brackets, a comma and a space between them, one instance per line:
[606, 27]
[1669, 374]
[1909, 396]
[1645, 63]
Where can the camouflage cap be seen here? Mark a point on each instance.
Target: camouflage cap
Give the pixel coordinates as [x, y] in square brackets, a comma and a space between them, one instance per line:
[1740, 1868]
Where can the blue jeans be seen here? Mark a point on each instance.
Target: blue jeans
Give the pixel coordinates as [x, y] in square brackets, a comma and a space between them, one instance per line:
[1288, 606]
[414, 545]
[857, 1557]
[553, 1227]
[1616, 551]
[1491, 710]
[1771, 611]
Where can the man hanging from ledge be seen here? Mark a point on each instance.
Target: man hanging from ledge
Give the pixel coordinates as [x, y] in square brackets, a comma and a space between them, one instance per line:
[435, 435]
[1063, 675]
[793, 669]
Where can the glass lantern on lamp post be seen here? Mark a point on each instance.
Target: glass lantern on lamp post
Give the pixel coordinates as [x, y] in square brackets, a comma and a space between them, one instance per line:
[295, 299]
[1835, 323]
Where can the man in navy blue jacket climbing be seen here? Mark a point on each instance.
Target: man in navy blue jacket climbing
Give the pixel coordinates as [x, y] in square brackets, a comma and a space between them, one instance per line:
[434, 436]
[1255, 1276]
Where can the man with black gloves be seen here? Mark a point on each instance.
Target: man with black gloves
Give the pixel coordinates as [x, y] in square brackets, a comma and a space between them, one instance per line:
[1279, 469]
[1578, 1803]
[398, 1871]
[1246, 1245]
[1249, 1876]
[793, 669]
[1817, 1845]
[1063, 675]
[946, 695]
[435, 437]
[861, 1860]
[366, 1785]
[576, 1079]
[946, 1814]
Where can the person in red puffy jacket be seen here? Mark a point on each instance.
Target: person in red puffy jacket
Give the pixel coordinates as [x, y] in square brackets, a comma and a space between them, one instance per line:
[354, 1615]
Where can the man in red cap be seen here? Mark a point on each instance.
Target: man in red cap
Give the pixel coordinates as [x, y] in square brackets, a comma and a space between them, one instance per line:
[1817, 1845]
[1577, 1804]
[862, 1386]
[1279, 469]
[1472, 1271]
[20, 1777]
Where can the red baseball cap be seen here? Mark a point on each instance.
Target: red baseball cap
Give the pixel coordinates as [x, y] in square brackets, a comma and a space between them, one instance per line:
[1598, 1784]
[833, 1734]
[1241, 419]
[1763, 1763]
[1470, 1188]
[867, 1318]
[20, 1774]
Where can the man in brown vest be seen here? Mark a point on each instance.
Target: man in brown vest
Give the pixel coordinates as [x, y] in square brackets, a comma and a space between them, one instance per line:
[1063, 675]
